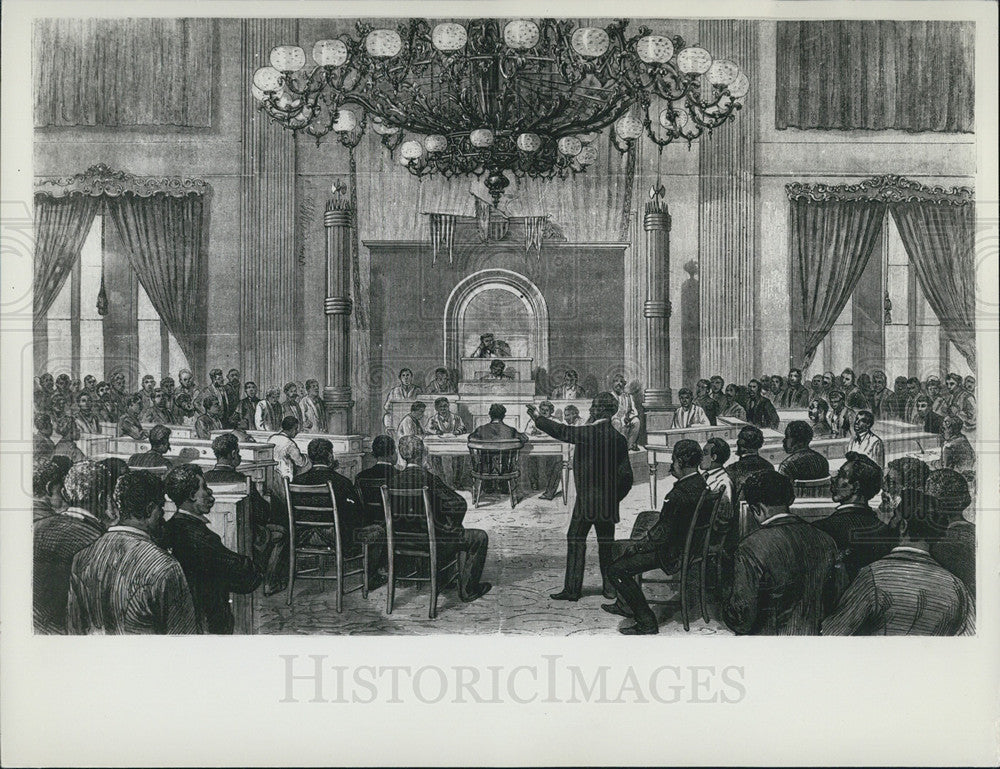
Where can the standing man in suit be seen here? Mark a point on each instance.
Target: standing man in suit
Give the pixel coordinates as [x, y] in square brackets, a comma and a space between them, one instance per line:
[603, 477]
[246, 411]
[268, 415]
[907, 592]
[313, 408]
[626, 417]
[662, 546]
[760, 410]
[217, 389]
[782, 572]
[212, 570]
[234, 391]
[448, 510]
[125, 583]
[290, 407]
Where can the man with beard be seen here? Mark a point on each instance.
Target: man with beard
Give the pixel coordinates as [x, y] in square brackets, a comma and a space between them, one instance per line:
[247, 408]
[155, 413]
[313, 409]
[818, 409]
[883, 400]
[795, 395]
[760, 410]
[840, 417]
[959, 401]
[185, 384]
[118, 396]
[86, 417]
[167, 388]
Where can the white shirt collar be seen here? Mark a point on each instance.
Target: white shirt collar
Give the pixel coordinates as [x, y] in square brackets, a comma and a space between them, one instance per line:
[80, 514]
[130, 530]
[776, 517]
[909, 549]
[196, 516]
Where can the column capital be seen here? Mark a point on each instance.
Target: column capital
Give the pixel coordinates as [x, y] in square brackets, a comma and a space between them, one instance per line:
[656, 308]
[656, 220]
[337, 217]
[337, 305]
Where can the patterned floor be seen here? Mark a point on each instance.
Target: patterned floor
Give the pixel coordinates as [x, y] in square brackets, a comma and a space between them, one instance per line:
[527, 556]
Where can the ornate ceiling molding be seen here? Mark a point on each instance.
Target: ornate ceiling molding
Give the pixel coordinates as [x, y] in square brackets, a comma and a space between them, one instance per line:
[882, 189]
[101, 180]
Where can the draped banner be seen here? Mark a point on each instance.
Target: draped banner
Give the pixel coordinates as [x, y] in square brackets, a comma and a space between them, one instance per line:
[833, 233]
[442, 235]
[161, 222]
[127, 72]
[876, 75]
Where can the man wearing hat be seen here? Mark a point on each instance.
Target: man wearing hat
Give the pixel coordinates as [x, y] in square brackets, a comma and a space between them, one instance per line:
[603, 477]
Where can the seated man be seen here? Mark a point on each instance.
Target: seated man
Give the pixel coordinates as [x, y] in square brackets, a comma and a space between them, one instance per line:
[104, 406]
[445, 422]
[125, 583]
[956, 451]
[286, 452]
[447, 512]
[928, 420]
[129, 424]
[42, 437]
[498, 372]
[404, 391]
[184, 411]
[883, 400]
[268, 414]
[47, 486]
[818, 409]
[159, 447]
[413, 423]
[840, 417]
[802, 463]
[212, 570]
[956, 550]
[959, 401]
[901, 473]
[269, 522]
[569, 389]
[211, 420]
[496, 429]
[544, 472]
[715, 454]
[370, 482]
[442, 383]
[689, 413]
[781, 574]
[760, 410]
[860, 536]
[733, 408]
[60, 537]
[626, 419]
[571, 416]
[154, 411]
[69, 431]
[748, 443]
[795, 395]
[662, 546]
[86, 416]
[491, 347]
[907, 592]
[350, 506]
[865, 441]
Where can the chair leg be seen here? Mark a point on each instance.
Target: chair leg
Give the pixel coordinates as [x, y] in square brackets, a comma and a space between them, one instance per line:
[510, 485]
[390, 588]
[432, 613]
[291, 571]
[364, 572]
[340, 582]
[477, 489]
[703, 586]
[684, 599]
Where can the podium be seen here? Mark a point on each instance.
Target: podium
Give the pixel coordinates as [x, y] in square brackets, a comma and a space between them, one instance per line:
[474, 369]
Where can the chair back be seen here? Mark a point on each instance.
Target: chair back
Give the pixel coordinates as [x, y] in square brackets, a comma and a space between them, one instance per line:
[815, 489]
[702, 522]
[409, 498]
[495, 459]
[311, 506]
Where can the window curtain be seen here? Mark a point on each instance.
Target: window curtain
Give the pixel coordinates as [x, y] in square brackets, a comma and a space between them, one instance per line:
[61, 227]
[163, 236]
[939, 237]
[875, 75]
[832, 241]
[124, 72]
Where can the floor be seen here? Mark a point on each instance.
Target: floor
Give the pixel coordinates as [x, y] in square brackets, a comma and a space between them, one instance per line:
[526, 561]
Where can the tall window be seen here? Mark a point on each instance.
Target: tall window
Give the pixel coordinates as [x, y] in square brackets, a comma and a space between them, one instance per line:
[159, 353]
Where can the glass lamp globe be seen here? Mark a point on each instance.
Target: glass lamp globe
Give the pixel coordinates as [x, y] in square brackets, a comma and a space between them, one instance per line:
[587, 156]
[330, 53]
[722, 72]
[694, 60]
[529, 142]
[740, 87]
[383, 43]
[449, 37]
[288, 58]
[629, 127]
[435, 143]
[521, 34]
[258, 94]
[590, 42]
[570, 145]
[411, 150]
[346, 121]
[654, 49]
[481, 137]
[267, 79]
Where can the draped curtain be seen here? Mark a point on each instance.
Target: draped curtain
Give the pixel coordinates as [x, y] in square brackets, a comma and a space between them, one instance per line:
[832, 241]
[61, 227]
[163, 236]
[939, 239]
[876, 75]
[125, 72]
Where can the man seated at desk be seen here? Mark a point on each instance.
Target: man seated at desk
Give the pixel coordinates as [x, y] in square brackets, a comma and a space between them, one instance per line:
[544, 472]
[442, 383]
[497, 373]
[159, 446]
[413, 423]
[446, 423]
[404, 391]
[569, 389]
[491, 347]
[496, 429]
[689, 413]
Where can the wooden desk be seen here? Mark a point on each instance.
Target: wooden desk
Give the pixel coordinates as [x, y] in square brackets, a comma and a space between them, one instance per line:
[348, 449]
[458, 446]
[230, 519]
[475, 409]
[476, 368]
[180, 431]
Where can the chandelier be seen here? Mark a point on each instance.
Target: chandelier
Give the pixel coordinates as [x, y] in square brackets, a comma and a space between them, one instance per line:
[487, 97]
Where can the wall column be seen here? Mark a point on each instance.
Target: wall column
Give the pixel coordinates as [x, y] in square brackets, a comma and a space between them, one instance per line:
[656, 310]
[726, 220]
[337, 306]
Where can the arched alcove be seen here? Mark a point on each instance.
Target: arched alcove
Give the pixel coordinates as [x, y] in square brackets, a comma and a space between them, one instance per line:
[500, 301]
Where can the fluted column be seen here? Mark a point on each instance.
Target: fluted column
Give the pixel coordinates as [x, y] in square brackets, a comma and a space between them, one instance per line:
[337, 393]
[269, 269]
[727, 220]
[656, 310]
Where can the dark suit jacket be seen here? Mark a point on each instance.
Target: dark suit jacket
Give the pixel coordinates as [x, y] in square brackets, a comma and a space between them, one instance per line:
[761, 413]
[601, 468]
[794, 397]
[369, 484]
[349, 506]
[57, 539]
[956, 551]
[743, 468]
[932, 423]
[149, 459]
[261, 511]
[667, 536]
[496, 431]
[805, 465]
[447, 506]
[860, 536]
[781, 580]
[212, 571]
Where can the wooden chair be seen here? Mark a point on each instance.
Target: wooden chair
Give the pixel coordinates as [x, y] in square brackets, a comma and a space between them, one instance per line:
[703, 543]
[495, 461]
[817, 489]
[319, 499]
[422, 546]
